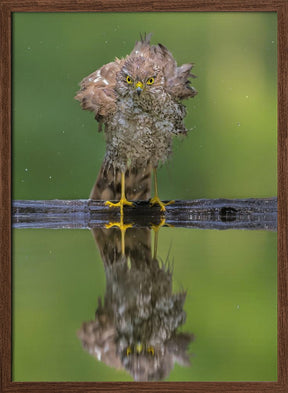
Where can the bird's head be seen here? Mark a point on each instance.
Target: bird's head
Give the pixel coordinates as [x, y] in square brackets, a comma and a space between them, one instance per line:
[139, 76]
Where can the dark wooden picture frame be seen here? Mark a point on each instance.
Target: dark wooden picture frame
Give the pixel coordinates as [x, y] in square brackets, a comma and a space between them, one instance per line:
[10, 6]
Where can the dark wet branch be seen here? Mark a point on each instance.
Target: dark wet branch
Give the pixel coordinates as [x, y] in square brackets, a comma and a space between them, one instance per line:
[249, 214]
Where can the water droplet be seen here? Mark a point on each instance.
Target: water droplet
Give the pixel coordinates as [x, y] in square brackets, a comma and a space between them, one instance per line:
[29, 47]
[273, 42]
[106, 42]
[246, 96]
[50, 177]
[238, 124]
[237, 306]
[26, 169]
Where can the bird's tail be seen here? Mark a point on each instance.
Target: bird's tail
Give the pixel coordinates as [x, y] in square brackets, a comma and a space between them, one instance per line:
[108, 184]
[137, 240]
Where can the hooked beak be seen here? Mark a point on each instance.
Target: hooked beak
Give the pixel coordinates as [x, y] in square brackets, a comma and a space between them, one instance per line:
[139, 347]
[139, 87]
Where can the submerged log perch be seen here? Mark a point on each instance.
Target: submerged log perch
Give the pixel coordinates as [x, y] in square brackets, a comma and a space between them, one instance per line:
[250, 214]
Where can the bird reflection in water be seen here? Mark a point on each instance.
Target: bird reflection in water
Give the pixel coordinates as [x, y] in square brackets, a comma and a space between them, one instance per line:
[135, 326]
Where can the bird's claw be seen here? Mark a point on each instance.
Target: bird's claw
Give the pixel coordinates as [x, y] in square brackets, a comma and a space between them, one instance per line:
[122, 202]
[123, 227]
[119, 225]
[162, 223]
[156, 200]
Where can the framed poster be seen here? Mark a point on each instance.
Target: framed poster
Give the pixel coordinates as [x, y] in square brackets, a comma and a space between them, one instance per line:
[227, 335]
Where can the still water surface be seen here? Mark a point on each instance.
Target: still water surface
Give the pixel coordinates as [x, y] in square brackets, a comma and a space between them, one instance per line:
[200, 307]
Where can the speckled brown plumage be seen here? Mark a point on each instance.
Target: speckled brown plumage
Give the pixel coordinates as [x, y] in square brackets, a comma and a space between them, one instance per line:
[139, 122]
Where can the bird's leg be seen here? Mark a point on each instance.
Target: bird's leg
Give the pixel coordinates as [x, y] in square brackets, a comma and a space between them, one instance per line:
[123, 227]
[123, 201]
[156, 229]
[156, 199]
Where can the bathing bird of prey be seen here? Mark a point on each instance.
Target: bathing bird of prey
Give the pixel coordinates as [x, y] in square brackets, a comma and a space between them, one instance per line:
[138, 102]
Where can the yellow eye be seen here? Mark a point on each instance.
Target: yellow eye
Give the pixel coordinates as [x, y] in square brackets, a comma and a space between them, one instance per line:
[128, 351]
[150, 350]
[128, 79]
[150, 81]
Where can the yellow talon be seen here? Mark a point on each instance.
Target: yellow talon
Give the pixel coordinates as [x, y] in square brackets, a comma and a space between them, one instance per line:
[123, 201]
[162, 223]
[120, 225]
[123, 227]
[156, 200]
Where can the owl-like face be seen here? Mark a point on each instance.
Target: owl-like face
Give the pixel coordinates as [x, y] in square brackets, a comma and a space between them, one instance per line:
[138, 77]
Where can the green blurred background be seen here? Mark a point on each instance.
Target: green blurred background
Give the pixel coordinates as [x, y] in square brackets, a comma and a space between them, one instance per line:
[230, 152]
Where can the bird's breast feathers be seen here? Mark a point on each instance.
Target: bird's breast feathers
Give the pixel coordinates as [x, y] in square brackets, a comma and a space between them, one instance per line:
[138, 99]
